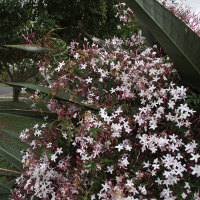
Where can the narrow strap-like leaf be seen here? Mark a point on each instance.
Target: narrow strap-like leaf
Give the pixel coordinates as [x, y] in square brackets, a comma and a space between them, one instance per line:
[29, 113]
[11, 154]
[28, 47]
[66, 96]
[4, 196]
[4, 189]
[11, 133]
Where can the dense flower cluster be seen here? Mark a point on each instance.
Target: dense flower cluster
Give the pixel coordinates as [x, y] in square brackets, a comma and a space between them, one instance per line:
[129, 136]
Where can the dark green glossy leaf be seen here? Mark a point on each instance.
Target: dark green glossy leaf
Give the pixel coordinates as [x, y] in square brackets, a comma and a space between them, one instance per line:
[181, 43]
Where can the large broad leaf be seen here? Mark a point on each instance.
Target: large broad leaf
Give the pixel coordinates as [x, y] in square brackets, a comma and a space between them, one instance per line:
[28, 47]
[181, 43]
[11, 154]
[66, 96]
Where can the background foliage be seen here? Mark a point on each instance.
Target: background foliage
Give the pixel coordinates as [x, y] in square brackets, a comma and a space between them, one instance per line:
[97, 17]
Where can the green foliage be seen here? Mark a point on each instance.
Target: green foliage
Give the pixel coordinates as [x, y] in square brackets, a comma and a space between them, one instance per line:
[11, 154]
[31, 20]
[4, 191]
[11, 133]
[182, 47]
[59, 47]
[28, 113]
[66, 96]
[10, 159]
[4, 76]
[28, 15]
[193, 98]
[96, 17]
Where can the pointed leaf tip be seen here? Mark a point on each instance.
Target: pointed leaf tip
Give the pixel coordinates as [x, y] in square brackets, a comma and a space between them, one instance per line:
[28, 47]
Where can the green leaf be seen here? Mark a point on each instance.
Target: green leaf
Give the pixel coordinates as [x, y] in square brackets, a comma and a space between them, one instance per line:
[182, 46]
[28, 47]
[66, 96]
[58, 47]
[94, 133]
[48, 154]
[193, 98]
[11, 133]
[10, 184]
[4, 196]
[14, 135]
[100, 88]
[106, 160]
[69, 133]
[29, 113]
[77, 71]
[4, 189]
[11, 154]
